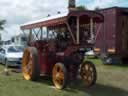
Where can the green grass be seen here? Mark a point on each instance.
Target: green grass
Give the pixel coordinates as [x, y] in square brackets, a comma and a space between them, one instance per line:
[112, 81]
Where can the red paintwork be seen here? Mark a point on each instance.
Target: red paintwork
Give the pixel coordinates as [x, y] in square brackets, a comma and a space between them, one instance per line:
[47, 63]
[110, 34]
[48, 56]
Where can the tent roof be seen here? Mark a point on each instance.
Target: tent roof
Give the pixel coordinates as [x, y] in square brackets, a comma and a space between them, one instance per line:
[61, 18]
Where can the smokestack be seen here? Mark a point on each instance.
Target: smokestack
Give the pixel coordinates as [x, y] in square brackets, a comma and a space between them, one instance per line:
[72, 5]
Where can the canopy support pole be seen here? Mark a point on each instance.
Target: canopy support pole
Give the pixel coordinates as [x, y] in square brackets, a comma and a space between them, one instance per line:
[30, 37]
[91, 28]
[47, 32]
[78, 31]
[41, 37]
[69, 29]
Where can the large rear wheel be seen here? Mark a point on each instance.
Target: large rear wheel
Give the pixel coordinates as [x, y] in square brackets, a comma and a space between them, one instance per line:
[30, 65]
[59, 75]
[88, 73]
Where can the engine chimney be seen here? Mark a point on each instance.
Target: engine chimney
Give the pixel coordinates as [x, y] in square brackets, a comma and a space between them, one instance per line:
[72, 5]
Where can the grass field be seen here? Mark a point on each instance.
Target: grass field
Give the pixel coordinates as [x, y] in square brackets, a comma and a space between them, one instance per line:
[112, 81]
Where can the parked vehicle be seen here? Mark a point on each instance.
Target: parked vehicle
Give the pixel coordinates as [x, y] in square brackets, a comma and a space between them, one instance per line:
[56, 52]
[89, 52]
[11, 55]
[112, 35]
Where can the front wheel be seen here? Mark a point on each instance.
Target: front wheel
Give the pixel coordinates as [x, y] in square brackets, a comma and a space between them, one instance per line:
[59, 75]
[88, 73]
[30, 65]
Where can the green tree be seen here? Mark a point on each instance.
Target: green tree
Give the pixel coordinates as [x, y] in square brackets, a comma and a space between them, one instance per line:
[97, 8]
[81, 7]
[2, 22]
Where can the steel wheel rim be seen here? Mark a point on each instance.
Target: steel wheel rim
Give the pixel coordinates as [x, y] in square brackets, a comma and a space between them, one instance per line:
[58, 76]
[87, 73]
[27, 65]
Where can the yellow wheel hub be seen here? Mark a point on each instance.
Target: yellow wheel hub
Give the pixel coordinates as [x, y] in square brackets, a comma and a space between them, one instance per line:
[88, 74]
[27, 64]
[58, 76]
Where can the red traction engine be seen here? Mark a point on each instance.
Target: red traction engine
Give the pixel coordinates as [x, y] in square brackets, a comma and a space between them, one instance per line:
[56, 47]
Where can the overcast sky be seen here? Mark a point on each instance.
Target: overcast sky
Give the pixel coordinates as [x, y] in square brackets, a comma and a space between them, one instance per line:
[17, 12]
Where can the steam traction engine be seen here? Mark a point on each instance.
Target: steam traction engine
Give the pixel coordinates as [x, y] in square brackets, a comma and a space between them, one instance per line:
[56, 47]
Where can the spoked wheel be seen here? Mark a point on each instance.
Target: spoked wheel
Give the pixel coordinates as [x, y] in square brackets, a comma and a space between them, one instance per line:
[59, 75]
[88, 73]
[30, 66]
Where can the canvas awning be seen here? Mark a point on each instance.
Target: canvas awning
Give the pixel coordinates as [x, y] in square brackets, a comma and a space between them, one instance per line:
[62, 18]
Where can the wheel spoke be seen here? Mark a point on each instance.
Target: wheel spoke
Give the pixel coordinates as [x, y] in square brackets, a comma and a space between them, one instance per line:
[61, 76]
[25, 70]
[90, 69]
[86, 67]
[27, 57]
[29, 64]
[60, 82]
[55, 70]
[85, 77]
[30, 72]
[90, 78]
[87, 81]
